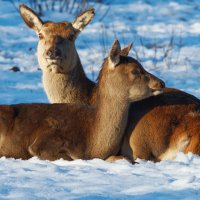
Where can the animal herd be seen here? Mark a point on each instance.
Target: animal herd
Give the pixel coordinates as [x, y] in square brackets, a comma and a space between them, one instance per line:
[127, 114]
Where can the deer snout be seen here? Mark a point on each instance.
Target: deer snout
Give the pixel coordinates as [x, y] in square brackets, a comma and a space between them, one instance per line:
[54, 53]
[156, 84]
[159, 84]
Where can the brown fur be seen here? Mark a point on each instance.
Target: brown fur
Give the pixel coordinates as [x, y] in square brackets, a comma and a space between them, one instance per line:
[75, 131]
[156, 125]
[58, 58]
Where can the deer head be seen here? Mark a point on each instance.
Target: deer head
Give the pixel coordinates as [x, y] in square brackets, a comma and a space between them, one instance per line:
[129, 77]
[56, 49]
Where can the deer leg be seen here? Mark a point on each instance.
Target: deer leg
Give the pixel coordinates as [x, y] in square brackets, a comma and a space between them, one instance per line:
[178, 144]
[49, 146]
[114, 158]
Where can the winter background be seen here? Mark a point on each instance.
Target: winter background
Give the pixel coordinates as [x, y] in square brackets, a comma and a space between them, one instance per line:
[166, 38]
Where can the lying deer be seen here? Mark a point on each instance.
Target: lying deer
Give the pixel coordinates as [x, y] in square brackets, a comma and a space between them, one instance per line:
[77, 131]
[160, 127]
[58, 58]
[156, 126]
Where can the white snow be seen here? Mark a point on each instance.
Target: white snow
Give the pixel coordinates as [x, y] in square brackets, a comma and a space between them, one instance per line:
[97, 179]
[154, 27]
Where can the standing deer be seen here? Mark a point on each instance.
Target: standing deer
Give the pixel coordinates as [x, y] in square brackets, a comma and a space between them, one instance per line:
[77, 131]
[158, 127]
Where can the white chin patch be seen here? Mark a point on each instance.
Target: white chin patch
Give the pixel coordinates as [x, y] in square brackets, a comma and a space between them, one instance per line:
[157, 92]
[55, 69]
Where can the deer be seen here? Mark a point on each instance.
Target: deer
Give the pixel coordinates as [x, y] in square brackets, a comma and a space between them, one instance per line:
[79, 131]
[157, 128]
[59, 64]
[161, 127]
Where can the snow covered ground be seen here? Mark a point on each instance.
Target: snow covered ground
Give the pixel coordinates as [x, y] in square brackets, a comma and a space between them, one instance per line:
[97, 179]
[166, 37]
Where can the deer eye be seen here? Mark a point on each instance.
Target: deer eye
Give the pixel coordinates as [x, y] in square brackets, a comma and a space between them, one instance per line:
[136, 72]
[70, 37]
[60, 40]
[40, 36]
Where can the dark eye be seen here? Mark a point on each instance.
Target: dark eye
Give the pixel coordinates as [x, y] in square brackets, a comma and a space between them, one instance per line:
[71, 37]
[60, 40]
[136, 72]
[40, 36]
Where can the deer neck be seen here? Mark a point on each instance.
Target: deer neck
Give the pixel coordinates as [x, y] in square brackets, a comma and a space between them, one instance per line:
[68, 87]
[109, 124]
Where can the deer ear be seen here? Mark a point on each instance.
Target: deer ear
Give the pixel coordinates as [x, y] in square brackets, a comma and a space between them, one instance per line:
[31, 19]
[83, 19]
[114, 55]
[125, 51]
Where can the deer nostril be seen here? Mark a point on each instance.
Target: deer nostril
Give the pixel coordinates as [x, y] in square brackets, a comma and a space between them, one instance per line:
[57, 53]
[50, 53]
[162, 84]
[54, 53]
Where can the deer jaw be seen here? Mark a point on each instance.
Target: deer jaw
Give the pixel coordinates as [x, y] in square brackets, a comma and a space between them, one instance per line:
[143, 90]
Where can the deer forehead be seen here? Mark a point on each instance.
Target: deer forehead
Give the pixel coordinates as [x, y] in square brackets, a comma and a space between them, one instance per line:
[131, 67]
[63, 29]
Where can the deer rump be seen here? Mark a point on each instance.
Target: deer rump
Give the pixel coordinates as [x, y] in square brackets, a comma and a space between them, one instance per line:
[161, 126]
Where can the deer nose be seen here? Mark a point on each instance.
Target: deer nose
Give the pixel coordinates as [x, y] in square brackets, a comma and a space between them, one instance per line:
[159, 84]
[162, 84]
[54, 53]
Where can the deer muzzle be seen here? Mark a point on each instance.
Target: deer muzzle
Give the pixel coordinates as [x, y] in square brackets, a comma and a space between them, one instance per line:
[54, 54]
[156, 85]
